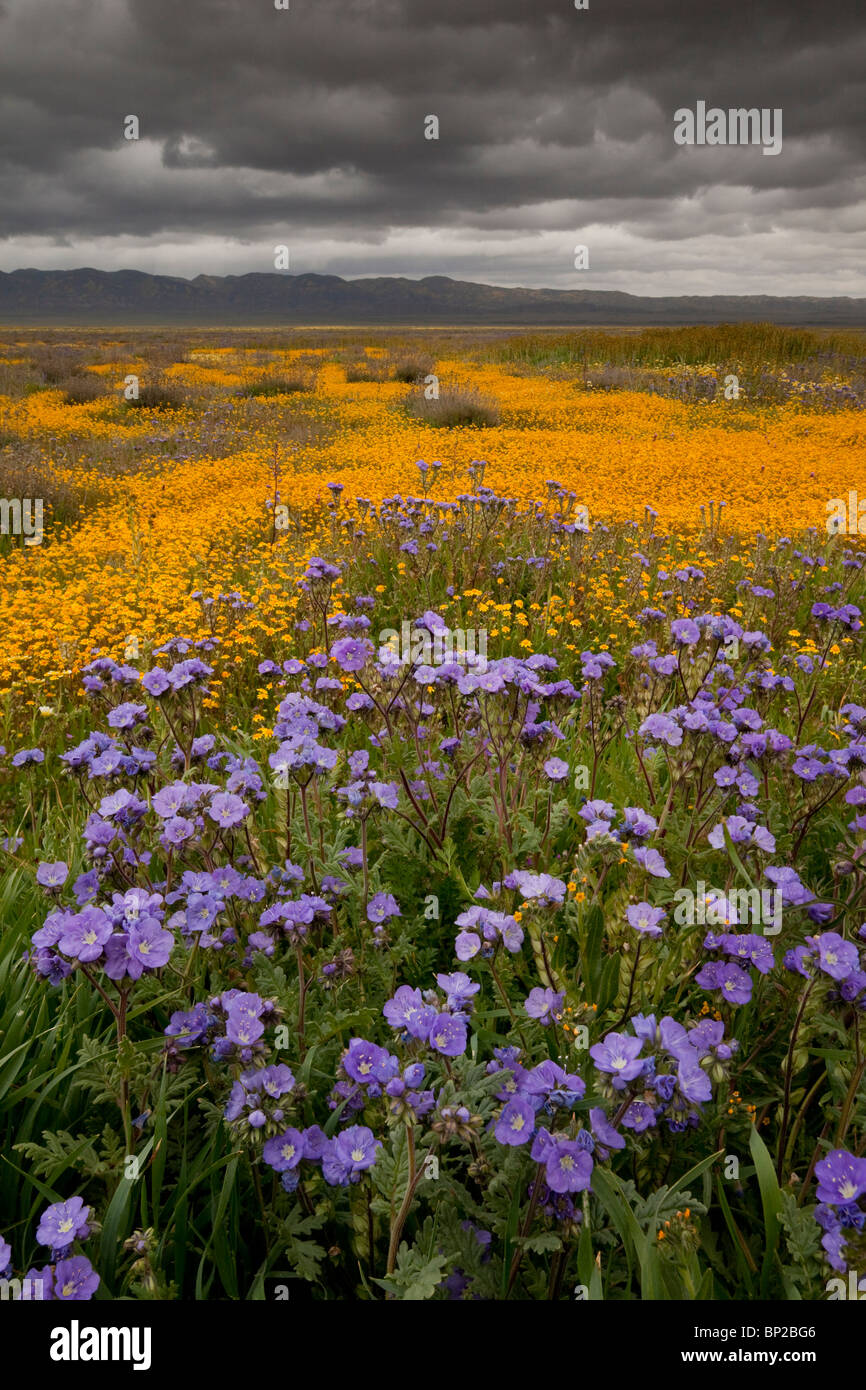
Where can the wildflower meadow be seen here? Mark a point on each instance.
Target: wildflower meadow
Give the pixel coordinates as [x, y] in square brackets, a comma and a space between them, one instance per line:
[433, 816]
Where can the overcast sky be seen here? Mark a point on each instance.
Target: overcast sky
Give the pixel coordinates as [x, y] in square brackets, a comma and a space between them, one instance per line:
[556, 128]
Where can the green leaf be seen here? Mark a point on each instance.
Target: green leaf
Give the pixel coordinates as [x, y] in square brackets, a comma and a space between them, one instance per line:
[609, 987]
[729, 846]
[609, 1192]
[745, 1263]
[696, 1171]
[415, 1278]
[510, 1237]
[771, 1201]
[113, 1230]
[540, 1244]
[231, 1161]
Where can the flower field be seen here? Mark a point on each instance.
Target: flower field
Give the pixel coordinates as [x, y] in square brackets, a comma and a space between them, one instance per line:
[433, 816]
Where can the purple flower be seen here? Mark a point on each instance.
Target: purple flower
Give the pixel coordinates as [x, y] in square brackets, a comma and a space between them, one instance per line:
[37, 1286]
[85, 934]
[660, 728]
[749, 947]
[693, 1080]
[149, 944]
[366, 1062]
[568, 1167]
[52, 928]
[639, 1116]
[448, 1035]
[119, 961]
[685, 632]
[516, 1123]
[381, 907]
[556, 769]
[126, 716]
[284, 1151]
[52, 875]
[170, 801]
[618, 1054]
[352, 653]
[52, 967]
[551, 1083]
[542, 1145]
[156, 682]
[122, 806]
[467, 945]
[543, 1004]
[387, 794]
[821, 912]
[352, 1152]
[645, 918]
[651, 860]
[841, 1177]
[458, 988]
[787, 880]
[28, 755]
[177, 830]
[604, 1131]
[227, 810]
[741, 832]
[763, 839]
[540, 888]
[799, 960]
[836, 957]
[75, 1280]
[185, 673]
[188, 1028]
[277, 1080]
[202, 910]
[408, 1010]
[835, 1245]
[243, 1024]
[639, 823]
[735, 984]
[62, 1223]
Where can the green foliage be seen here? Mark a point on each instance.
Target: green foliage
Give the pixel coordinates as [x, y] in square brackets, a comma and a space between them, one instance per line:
[415, 1278]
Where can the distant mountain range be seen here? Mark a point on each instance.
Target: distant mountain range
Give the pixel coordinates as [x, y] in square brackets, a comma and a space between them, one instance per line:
[34, 297]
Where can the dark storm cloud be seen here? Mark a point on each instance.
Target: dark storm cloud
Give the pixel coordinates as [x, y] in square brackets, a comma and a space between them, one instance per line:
[556, 126]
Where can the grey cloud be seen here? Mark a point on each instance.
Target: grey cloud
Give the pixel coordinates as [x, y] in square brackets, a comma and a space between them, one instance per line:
[310, 123]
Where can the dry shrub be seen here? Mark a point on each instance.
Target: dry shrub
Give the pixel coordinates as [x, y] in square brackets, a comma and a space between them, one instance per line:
[160, 353]
[456, 405]
[366, 368]
[412, 368]
[58, 363]
[81, 390]
[18, 379]
[24, 473]
[158, 395]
